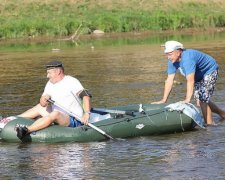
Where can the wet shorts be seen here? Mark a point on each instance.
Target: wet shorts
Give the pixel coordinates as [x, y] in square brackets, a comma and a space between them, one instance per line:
[205, 88]
[74, 122]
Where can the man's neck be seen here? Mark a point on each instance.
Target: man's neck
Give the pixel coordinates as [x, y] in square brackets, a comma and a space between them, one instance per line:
[59, 78]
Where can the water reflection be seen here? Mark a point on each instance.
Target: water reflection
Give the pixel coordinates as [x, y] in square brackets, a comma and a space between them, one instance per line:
[113, 40]
[46, 160]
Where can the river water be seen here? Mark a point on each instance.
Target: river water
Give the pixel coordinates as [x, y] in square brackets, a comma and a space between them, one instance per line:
[118, 71]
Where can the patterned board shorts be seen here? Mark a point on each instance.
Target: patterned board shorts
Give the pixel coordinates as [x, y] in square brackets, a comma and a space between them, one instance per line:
[205, 88]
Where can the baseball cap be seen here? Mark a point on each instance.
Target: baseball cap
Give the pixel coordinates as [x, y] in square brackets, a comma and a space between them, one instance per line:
[172, 45]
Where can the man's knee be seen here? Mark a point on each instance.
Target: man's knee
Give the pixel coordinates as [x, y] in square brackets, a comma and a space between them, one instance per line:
[38, 108]
[54, 115]
[43, 111]
[59, 118]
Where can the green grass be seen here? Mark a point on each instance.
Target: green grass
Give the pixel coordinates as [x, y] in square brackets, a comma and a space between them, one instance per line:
[59, 18]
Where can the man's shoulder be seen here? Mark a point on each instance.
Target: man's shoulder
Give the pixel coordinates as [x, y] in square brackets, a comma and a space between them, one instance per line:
[191, 52]
[69, 77]
[187, 51]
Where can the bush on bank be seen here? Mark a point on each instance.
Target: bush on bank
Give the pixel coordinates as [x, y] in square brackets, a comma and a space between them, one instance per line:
[62, 18]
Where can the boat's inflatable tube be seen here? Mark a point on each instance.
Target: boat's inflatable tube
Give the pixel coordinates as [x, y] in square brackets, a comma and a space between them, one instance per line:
[146, 119]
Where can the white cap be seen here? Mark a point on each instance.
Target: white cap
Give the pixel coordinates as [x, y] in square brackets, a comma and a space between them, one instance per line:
[172, 45]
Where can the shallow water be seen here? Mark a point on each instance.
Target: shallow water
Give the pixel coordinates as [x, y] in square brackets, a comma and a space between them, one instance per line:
[125, 71]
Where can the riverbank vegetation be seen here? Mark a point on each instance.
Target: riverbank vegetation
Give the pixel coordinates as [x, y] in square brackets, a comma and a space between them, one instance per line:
[60, 18]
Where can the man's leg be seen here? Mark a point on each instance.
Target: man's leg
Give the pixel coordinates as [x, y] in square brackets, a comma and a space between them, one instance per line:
[207, 113]
[58, 117]
[203, 91]
[36, 111]
[216, 109]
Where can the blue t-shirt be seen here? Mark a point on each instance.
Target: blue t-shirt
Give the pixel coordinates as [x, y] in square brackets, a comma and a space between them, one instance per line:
[193, 61]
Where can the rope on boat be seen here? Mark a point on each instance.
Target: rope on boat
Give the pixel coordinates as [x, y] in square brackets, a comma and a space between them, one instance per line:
[150, 119]
[166, 115]
[181, 121]
[148, 115]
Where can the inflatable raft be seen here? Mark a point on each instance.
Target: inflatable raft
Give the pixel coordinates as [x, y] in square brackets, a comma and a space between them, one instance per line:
[118, 122]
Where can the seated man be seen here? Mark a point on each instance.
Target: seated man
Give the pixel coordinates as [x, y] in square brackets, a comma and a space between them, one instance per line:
[66, 91]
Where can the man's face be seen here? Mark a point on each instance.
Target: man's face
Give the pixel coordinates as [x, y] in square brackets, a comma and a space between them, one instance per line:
[174, 56]
[52, 75]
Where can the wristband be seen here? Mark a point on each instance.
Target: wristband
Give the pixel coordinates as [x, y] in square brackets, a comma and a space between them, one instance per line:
[88, 112]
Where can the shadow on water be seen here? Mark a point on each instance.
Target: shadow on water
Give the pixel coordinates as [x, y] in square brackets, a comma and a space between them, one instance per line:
[118, 71]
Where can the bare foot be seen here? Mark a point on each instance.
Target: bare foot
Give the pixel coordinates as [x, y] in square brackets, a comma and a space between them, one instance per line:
[212, 124]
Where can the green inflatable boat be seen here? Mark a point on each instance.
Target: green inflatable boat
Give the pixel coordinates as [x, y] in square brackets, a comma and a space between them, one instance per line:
[118, 122]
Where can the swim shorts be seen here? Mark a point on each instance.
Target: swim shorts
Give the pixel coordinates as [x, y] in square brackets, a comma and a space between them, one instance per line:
[205, 88]
[74, 122]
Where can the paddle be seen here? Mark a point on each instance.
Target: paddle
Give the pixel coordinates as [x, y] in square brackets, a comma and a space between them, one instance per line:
[130, 113]
[79, 119]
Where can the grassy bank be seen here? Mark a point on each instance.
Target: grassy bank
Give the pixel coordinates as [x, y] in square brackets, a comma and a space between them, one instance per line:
[32, 18]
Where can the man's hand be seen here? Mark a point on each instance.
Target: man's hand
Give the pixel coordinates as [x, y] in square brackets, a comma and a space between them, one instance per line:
[44, 100]
[85, 118]
[158, 102]
[168, 87]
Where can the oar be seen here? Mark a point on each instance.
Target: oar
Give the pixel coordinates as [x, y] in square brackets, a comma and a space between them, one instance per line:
[79, 119]
[130, 113]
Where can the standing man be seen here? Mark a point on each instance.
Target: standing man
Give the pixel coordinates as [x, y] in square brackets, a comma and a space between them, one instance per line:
[201, 72]
[66, 91]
